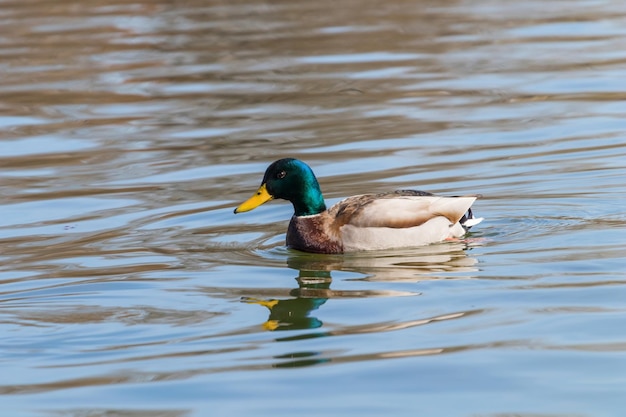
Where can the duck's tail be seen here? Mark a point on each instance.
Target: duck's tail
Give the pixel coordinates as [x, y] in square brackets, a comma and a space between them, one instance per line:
[468, 220]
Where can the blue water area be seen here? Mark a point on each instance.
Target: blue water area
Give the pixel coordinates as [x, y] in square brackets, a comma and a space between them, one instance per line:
[130, 131]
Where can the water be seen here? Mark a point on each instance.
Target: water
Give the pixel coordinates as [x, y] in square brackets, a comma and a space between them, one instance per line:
[130, 131]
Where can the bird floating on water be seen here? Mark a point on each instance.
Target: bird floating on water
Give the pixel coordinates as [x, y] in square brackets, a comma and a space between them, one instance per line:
[393, 220]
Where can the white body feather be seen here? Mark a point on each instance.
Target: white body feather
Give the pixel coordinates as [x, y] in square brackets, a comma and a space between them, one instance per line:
[367, 230]
[378, 238]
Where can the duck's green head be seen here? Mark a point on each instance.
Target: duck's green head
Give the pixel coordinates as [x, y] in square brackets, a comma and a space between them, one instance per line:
[289, 179]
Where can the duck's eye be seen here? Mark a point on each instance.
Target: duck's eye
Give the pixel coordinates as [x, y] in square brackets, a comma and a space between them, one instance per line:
[280, 175]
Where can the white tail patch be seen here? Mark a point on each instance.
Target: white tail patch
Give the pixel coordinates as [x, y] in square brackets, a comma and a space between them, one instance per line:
[472, 222]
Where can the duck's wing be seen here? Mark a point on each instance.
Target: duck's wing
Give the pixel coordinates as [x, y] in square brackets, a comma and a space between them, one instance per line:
[399, 209]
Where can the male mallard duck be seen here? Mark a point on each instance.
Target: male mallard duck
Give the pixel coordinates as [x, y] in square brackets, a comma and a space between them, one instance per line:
[398, 219]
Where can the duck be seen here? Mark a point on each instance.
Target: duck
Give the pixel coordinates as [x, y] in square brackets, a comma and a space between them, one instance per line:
[366, 222]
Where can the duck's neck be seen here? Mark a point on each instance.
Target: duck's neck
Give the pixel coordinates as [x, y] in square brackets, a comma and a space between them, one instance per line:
[310, 202]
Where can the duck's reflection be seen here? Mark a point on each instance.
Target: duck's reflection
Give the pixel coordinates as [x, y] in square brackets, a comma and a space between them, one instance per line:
[314, 279]
[293, 313]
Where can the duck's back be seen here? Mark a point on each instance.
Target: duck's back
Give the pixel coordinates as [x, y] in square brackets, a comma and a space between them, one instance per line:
[399, 219]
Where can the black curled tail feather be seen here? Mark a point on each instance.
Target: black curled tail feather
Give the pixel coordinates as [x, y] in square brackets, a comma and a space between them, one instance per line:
[468, 220]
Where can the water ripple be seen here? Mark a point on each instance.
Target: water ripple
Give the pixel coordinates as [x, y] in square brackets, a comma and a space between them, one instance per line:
[130, 131]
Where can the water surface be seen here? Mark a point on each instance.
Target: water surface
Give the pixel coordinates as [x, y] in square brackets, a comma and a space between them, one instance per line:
[130, 131]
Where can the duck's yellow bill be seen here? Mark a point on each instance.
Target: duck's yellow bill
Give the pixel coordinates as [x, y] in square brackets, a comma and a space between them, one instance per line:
[270, 304]
[260, 197]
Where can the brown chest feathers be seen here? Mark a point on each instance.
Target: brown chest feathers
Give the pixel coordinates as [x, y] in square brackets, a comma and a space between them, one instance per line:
[313, 234]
